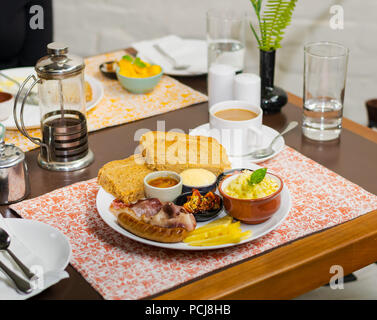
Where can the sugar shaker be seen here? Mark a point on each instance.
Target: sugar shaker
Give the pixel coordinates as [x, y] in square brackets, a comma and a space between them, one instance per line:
[14, 180]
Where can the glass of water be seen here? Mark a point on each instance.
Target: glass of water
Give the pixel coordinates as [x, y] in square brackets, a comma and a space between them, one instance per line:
[325, 71]
[226, 38]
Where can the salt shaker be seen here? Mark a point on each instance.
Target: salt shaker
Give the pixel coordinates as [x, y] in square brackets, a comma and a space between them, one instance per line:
[14, 180]
[220, 83]
[247, 87]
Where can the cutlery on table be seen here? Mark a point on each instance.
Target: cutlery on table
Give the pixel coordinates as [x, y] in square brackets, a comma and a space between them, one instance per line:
[172, 61]
[265, 152]
[31, 99]
[21, 284]
[4, 245]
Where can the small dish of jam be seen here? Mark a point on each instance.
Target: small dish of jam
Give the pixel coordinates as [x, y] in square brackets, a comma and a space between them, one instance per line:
[163, 185]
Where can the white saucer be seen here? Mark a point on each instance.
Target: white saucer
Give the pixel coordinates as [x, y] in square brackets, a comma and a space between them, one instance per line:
[268, 135]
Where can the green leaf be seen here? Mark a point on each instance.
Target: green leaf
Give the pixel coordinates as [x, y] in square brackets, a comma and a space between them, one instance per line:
[257, 176]
[273, 21]
[255, 34]
[128, 58]
[139, 63]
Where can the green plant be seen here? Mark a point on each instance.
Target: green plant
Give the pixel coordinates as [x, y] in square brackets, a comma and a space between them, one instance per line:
[275, 17]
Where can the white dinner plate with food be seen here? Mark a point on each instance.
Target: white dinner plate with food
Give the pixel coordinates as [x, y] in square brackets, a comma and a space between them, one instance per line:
[104, 199]
[31, 112]
[44, 249]
[268, 135]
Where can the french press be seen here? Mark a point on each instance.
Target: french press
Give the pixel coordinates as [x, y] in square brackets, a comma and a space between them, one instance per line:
[61, 91]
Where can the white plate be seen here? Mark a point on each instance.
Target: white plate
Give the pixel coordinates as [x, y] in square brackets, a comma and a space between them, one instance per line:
[268, 135]
[47, 243]
[104, 200]
[197, 60]
[31, 112]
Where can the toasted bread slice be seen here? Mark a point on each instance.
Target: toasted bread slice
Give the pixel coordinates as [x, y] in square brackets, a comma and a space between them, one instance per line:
[178, 151]
[124, 179]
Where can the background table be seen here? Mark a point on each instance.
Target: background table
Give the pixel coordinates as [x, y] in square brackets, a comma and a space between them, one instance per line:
[281, 273]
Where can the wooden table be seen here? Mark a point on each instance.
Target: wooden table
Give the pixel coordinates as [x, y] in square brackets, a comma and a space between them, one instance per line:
[281, 273]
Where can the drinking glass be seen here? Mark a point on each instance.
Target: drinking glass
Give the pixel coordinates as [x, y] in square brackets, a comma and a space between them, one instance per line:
[226, 38]
[325, 71]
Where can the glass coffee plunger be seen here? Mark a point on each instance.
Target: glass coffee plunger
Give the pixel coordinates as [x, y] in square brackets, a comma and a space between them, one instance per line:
[61, 90]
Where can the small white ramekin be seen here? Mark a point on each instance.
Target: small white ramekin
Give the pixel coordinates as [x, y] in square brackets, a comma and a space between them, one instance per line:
[163, 194]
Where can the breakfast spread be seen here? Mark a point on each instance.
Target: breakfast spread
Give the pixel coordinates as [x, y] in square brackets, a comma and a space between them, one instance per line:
[243, 186]
[136, 68]
[197, 177]
[148, 190]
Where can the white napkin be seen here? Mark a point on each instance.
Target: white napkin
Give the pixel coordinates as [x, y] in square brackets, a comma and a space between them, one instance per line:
[29, 258]
[185, 52]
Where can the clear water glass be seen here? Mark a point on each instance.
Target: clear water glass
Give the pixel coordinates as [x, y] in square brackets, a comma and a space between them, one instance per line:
[226, 38]
[325, 72]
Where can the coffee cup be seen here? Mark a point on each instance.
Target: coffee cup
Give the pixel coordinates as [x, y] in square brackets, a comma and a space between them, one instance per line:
[237, 125]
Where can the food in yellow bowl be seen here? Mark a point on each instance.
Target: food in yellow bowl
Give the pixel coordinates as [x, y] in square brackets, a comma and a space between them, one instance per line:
[241, 188]
[136, 68]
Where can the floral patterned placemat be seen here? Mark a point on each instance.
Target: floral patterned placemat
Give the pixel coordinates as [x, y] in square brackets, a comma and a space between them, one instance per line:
[120, 268]
[118, 106]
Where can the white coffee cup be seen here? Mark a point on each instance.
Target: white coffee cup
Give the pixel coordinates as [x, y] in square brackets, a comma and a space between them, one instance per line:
[238, 137]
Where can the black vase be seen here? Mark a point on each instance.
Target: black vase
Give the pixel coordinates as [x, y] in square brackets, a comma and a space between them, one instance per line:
[272, 98]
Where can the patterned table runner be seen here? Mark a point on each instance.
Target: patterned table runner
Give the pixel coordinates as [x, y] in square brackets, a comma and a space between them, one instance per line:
[120, 268]
[118, 106]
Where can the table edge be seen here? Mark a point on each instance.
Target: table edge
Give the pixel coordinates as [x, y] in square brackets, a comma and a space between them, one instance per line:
[270, 268]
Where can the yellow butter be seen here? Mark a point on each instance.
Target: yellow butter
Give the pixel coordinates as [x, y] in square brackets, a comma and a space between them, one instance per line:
[197, 177]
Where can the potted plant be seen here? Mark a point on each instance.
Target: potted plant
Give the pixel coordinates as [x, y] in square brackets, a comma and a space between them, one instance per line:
[272, 20]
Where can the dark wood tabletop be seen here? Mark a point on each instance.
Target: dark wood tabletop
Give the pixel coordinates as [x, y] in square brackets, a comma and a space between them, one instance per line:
[354, 156]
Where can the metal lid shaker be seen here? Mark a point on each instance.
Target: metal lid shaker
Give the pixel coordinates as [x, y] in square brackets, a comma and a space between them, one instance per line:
[14, 180]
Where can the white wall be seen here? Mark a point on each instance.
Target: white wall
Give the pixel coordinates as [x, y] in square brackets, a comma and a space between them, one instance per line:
[94, 26]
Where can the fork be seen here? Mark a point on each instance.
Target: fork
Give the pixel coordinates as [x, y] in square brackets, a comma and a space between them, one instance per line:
[31, 99]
